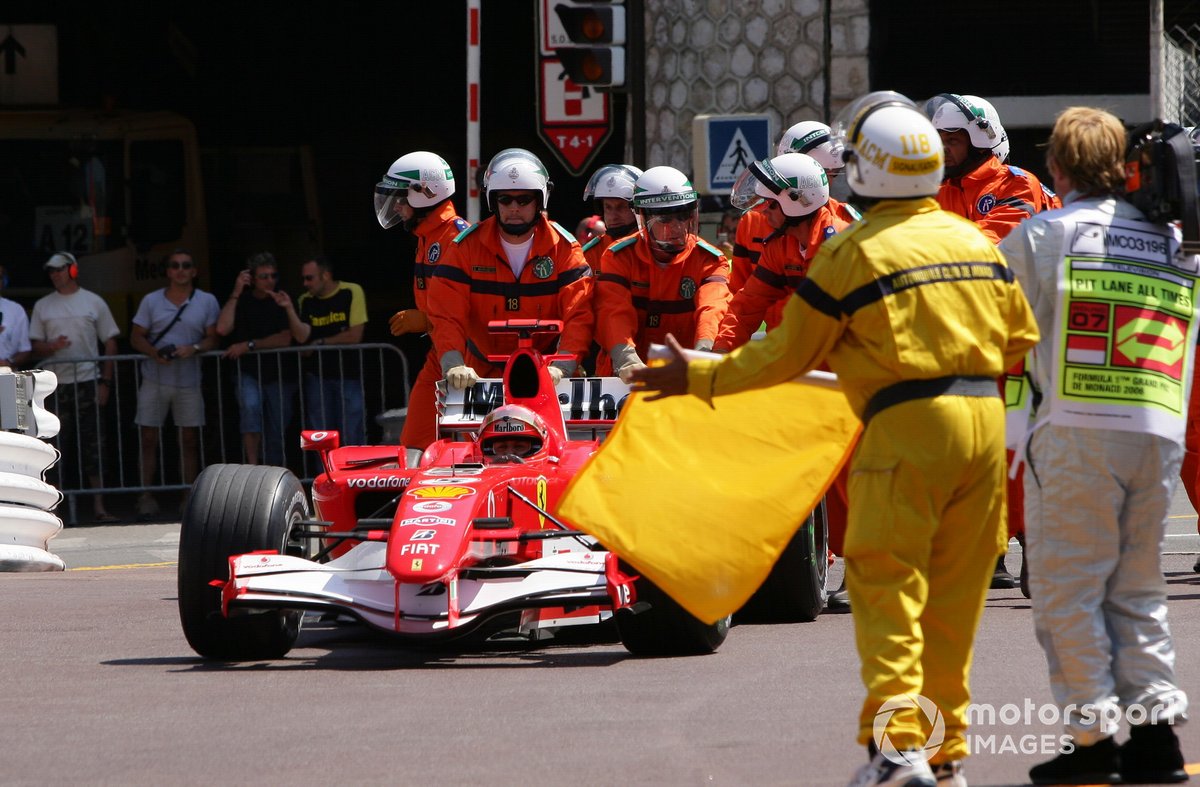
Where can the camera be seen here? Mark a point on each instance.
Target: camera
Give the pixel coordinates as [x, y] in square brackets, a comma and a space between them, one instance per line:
[1161, 161]
[166, 352]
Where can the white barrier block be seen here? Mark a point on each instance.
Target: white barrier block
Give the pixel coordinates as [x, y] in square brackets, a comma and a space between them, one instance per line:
[26, 524]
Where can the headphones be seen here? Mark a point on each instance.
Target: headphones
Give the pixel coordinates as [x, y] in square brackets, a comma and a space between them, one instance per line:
[72, 267]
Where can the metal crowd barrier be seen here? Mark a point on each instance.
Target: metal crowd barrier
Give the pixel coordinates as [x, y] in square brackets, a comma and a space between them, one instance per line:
[380, 371]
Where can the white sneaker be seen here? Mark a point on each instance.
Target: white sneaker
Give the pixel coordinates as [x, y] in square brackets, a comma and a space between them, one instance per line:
[950, 774]
[883, 772]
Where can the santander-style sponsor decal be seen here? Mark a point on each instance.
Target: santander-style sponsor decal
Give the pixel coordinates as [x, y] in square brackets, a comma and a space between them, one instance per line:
[442, 492]
[431, 506]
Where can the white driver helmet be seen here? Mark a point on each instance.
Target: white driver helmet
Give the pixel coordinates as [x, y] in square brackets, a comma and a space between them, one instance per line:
[795, 180]
[814, 139]
[975, 116]
[892, 150]
[516, 169]
[422, 179]
[612, 180]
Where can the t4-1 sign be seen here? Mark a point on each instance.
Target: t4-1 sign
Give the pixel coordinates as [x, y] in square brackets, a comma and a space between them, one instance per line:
[574, 121]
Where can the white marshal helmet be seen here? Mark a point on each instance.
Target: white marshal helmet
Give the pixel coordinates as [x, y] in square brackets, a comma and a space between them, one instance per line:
[661, 197]
[796, 181]
[612, 180]
[975, 116]
[892, 150]
[663, 187]
[421, 178]
[812, 138]
[516, 169]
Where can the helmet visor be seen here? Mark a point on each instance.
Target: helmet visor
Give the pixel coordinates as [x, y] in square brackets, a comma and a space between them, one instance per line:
[668, 228]
[757, 181]
[387, 200]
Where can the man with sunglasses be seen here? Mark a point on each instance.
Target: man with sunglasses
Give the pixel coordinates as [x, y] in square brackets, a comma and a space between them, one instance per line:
[171, 327]
[516, 264]
[980, 186]
[253, 321]
[73, 322]
[662, 279]
[330, 312]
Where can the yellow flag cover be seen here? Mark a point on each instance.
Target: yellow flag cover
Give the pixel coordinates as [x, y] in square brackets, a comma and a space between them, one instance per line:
[700, 500]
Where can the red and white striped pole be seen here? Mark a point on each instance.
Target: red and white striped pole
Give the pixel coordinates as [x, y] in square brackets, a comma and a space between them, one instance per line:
[473, 12]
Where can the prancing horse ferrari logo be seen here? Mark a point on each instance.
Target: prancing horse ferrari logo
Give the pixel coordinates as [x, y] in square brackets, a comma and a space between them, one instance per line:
[541, 501]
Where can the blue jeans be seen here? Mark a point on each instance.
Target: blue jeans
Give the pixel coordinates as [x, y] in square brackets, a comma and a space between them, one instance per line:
[266, 408]
[335, 404]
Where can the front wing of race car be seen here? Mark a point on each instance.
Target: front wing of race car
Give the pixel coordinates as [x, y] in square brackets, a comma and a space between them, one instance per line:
[358, 584]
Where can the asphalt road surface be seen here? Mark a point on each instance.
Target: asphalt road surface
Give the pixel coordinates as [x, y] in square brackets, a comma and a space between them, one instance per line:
[100, 687]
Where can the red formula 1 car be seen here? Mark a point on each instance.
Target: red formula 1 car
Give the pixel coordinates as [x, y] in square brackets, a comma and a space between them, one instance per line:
[462, 541]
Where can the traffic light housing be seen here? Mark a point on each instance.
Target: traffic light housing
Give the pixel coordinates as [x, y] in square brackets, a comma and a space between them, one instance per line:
[596, 31]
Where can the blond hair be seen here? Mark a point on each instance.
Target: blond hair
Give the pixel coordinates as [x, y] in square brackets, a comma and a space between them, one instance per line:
[1088, 146]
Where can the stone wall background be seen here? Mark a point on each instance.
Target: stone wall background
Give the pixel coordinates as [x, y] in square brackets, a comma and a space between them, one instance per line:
[718, 57]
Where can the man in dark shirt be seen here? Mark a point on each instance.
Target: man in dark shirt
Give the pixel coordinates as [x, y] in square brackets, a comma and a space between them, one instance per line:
[330, 312]
[253, 321]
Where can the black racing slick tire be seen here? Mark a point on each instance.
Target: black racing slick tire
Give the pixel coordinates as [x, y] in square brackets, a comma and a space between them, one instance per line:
[657, 626]
[234, 509]
[795, 589]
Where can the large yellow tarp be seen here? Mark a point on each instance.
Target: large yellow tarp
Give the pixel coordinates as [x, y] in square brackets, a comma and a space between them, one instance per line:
[701, 500]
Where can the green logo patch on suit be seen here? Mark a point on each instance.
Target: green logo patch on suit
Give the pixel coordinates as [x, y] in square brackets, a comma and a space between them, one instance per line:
[687, 287]
[543, 267]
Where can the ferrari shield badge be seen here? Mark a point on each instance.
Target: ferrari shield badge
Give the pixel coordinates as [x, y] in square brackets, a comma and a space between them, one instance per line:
[687, 287]
[543, 267]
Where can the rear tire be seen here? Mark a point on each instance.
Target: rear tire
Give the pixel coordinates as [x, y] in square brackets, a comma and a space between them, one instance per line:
[663, 628]
[795, 589]
[234, 509]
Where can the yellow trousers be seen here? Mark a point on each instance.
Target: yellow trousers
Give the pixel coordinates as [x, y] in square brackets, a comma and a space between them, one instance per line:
[926, 524]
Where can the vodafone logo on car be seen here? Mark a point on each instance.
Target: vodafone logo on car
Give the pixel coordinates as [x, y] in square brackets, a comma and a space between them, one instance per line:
[378, 482]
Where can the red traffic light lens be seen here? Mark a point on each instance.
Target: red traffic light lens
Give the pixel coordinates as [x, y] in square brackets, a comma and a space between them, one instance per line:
[593, 27]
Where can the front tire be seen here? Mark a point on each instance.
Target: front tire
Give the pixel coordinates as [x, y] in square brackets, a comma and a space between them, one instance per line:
[234, 509]
[660, 627]
[795, 589]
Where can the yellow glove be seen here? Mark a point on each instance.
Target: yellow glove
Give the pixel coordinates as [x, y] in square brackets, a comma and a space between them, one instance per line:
[408, 321]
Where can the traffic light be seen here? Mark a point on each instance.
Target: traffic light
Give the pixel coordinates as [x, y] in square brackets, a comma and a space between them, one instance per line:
[596, 31]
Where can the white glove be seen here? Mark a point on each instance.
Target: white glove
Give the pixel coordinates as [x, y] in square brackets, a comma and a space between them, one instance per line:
[628, 369]
[461, 377]
[556, 375]
[704, 345]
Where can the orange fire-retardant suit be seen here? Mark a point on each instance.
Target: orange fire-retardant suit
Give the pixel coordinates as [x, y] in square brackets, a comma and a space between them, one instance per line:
[639, 301]
[473, 284]
[783, 263]
[434, 235]
[998, 197]
[593, 250]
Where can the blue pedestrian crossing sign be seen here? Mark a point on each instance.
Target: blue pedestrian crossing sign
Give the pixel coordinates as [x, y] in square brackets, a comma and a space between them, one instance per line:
[724, 145]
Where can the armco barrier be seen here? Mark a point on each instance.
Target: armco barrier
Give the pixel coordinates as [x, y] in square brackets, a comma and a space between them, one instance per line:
[26, 500]
[380, 370]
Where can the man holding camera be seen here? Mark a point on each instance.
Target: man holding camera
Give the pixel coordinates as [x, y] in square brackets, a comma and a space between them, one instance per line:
[172, 325]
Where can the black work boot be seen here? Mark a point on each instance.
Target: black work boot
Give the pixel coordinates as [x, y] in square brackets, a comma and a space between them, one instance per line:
[1152, 755]
[1099, 763]
[1001, 579]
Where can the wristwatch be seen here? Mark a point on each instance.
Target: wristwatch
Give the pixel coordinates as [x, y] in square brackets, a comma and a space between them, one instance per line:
[250, 345]
[196, 347]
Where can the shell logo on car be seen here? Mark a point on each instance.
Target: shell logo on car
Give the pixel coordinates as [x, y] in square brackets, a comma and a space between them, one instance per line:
[442, 492]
